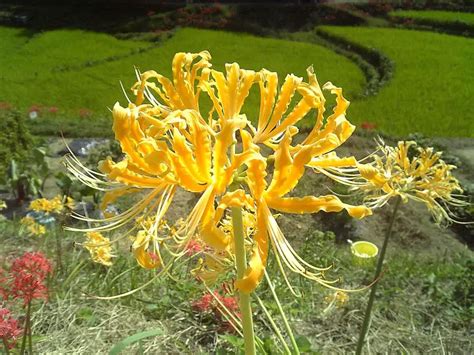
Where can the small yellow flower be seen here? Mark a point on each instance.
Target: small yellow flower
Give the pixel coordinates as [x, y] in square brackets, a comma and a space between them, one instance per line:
[413, 173]
[32, 226]
[44, 205]
[70, 203]
[338, 299]
[3, 205]
[99, 247]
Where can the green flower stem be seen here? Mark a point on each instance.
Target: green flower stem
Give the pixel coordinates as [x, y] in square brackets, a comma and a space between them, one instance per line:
[274, 326]
[26, 328]
[378, 271]
[5, 344]
[282, 313]
[59, 253]
[241, 263]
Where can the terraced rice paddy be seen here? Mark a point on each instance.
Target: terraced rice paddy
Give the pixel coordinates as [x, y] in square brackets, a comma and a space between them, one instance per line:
[431, 87]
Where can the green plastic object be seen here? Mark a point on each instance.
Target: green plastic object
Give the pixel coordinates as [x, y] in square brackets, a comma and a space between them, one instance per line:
[364, 253]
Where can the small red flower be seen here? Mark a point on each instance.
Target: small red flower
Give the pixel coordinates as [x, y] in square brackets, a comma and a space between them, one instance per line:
[5, 105]
[9, 329]
[193, 248]
[53, 109]
[3, 284]
[213, 304]
[368, 126]
[28, 274]
[35, 108]
[204, 303]
[85, 112]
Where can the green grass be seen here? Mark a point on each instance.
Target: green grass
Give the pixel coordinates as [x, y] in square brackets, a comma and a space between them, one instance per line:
[76, 69]
[431, 89]
[436, 16]
[422, 306]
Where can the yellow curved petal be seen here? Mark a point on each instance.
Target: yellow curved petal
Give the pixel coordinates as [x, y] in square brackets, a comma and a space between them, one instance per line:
[258, 260]
[210, 234]
[311, 204]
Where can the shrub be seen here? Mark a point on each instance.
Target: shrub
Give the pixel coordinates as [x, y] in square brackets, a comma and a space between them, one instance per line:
[15, 140]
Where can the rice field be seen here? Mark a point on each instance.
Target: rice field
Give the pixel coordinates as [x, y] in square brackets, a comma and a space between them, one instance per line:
[436, 16]
[79, 71]
[431, 88]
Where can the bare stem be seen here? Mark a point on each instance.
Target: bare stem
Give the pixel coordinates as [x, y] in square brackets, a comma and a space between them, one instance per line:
[25, 328]
[378, 271]
[5, 344]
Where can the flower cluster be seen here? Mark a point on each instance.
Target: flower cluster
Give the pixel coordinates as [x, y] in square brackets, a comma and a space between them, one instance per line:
[43, 212]
[33, 227]
[26, 278]
[219, 307]
[55, 205]
[338, 298]
[9, 328]
[99, 247]
[170, 142]
[415, 173]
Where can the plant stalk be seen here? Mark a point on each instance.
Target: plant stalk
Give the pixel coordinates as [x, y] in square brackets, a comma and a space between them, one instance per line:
[59, 257]
[25, 328]
[282, 313]
[241, 263]
[378, 271]
[5, 344]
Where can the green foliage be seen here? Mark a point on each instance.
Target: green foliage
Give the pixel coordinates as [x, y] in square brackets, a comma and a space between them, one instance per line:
[425, 94]
[437, 16]
[100, 152]
[26, 177]
[15, 140]
[123, 344]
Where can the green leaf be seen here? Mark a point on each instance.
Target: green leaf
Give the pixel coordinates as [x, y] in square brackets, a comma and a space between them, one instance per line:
[121, 345]
[303, 344]
[13, 170]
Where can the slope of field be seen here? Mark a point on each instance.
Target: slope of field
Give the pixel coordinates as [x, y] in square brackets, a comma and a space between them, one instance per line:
[437, 16]
[75, 70]
[431, 89]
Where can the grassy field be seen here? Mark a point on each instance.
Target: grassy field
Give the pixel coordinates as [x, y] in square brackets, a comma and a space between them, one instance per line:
[76, 70]
[431, 89]
[436, 16]
[423, 302]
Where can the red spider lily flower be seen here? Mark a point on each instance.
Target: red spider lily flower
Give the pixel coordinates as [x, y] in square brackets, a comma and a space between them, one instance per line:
[3, 283]
[28, 274]
[53, 109]
[204, 304]
[209, 303]
[193, 248]
[9, 329]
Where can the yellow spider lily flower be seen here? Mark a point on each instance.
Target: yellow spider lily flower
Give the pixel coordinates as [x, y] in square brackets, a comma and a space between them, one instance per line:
[54, 205]
[413, 173]
[32, 226]
[3, 205]
[99, 247]
[170, 143]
